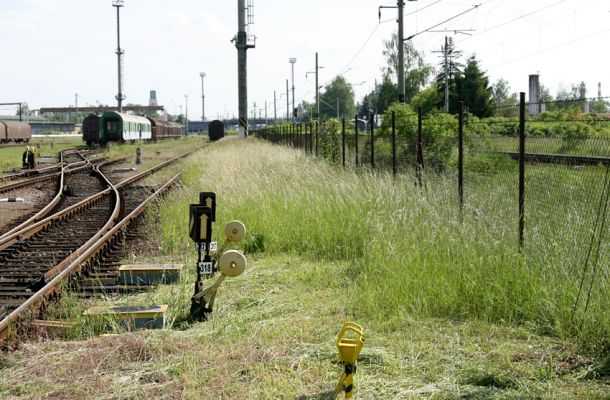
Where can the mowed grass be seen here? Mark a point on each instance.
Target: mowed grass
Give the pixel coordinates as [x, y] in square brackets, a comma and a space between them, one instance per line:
[10, 157]
[450, 308]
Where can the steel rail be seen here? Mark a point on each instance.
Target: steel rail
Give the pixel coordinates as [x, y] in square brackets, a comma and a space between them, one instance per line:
[29, 231]
[40, 215]
[85, 254]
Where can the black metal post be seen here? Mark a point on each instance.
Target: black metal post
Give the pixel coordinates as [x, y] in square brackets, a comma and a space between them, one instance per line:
[461, 154]
[393, 142]
[356, 127]
[372, 141]
[420, 150]
[521, 167]
[343, 141]
[317, 137]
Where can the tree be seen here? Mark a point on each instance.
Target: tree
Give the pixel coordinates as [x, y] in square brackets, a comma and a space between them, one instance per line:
[598, 106]
[505, 102]
[339, 89]
[380, 98]
[417, 71]
[427, 99]
[473, 89]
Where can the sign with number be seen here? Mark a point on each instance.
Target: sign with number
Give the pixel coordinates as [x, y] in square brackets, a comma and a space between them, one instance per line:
[213, 246]
[205, 268]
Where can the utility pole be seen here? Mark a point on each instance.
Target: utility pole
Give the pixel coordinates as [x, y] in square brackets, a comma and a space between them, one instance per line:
[119, 97]
[186, 116]
[202, 75]
[317, 72]
[76, 101]
[401, 53]
[318, 91]
[274, 108]
[266, 122]
[242, 44]
[401, 48]
[292, 60]
[287, 103]
[446, 78]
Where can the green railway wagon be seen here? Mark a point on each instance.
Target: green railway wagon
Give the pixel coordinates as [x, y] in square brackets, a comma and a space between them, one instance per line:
[120, 127]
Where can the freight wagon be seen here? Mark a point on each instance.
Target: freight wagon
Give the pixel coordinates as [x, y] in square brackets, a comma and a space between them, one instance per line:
[12, 131]
[91, 129]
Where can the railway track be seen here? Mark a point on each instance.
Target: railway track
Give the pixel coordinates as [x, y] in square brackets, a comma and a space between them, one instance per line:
[36, 260]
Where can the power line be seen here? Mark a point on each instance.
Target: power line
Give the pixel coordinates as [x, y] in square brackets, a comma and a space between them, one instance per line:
[550, 48]
[580, 8]
[515, 19]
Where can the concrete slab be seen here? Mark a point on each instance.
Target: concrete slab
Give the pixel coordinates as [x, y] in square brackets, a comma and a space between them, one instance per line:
[131, 317]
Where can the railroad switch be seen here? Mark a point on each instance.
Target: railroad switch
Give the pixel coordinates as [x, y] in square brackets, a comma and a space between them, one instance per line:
[210, 259]
[349, 350]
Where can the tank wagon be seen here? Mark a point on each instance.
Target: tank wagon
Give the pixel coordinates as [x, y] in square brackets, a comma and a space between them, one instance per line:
[91, 129]
[165, 129]
[216, 130]
[12, 131]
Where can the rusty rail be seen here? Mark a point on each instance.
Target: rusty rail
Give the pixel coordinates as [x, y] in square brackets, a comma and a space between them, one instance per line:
[73, 264]
[56, 275]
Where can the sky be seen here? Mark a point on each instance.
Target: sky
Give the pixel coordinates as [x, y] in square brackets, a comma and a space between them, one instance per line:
[52, 49]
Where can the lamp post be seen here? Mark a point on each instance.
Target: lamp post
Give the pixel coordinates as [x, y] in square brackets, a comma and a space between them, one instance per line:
[119, 52]
[202, 75]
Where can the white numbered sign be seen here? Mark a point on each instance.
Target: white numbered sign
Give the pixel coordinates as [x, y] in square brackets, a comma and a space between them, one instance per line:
[205, 267]
[213, 246]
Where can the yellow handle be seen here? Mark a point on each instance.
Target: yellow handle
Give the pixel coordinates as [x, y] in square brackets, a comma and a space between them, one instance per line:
[350, 326]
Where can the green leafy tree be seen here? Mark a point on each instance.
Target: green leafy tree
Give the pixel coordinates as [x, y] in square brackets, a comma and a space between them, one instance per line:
[380, 99]
[339, 89]
[473, 89]
[505, 102]
[417, 71]
[428, 99]
[598, 106]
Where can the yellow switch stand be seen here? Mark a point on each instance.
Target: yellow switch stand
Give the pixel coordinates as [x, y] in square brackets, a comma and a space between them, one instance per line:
[349, 350]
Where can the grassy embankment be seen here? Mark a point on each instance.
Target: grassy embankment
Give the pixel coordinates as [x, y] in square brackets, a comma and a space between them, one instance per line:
[451, 308]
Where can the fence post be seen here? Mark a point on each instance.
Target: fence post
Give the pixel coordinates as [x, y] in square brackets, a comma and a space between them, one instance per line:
[372, 140]
[461, 154]
[420, 150]
[356, 127]
[393, 142]
[521, 167]
[343, 141]
[309, 139]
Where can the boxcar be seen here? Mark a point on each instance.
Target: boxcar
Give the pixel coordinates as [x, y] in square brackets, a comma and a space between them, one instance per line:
[216, 130]
[165, 129]
[91, 129]
[15, 131]
[119, 127]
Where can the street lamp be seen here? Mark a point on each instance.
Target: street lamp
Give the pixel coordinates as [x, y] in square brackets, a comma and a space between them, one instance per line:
[202, 75]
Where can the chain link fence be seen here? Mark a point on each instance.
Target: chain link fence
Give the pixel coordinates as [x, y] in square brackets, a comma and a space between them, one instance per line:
[539, 183]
